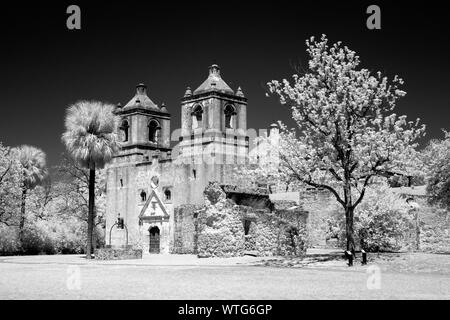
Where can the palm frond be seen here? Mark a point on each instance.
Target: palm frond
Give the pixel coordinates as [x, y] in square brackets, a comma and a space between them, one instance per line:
[34, 164]
[91, 133]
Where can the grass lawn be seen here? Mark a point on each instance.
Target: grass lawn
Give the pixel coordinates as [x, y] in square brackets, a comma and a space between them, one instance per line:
[319, 276]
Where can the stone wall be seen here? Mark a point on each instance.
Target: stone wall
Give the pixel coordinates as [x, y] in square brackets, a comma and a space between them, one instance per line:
[226, 229]
[271, 234]
[290, 230]
[434, 228]
[185, 232]
[220, 227]
[117, 253]
[320, 205]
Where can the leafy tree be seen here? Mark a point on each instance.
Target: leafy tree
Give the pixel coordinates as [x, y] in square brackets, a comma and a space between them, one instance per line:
[91, 139]
[41, 199]
[436, 156]
[10, 179]
[74, 189]
[34, 171]
[346, 132]
[73, 192]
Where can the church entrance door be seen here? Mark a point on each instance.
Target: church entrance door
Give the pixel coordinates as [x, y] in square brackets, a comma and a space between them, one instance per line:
[154, 240]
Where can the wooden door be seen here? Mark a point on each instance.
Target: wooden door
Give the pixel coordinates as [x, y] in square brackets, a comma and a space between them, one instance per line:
[154, 240]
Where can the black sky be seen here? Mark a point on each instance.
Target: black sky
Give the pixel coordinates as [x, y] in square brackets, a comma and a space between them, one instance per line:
[168, 46]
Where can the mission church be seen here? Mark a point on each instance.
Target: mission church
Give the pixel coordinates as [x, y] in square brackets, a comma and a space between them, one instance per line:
[148, 179]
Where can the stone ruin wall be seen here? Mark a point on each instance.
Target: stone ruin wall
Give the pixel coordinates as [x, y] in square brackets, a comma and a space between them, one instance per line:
[185, 229]
[263, 239]
[217, 228]
[321, 205]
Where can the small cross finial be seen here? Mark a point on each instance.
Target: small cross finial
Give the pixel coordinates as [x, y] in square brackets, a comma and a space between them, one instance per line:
[188, 92]
[141, 89]
[239, 92]
[214, 70]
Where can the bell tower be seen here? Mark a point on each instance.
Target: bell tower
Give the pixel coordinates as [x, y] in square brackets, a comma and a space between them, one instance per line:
[214, 122]
[144, 127]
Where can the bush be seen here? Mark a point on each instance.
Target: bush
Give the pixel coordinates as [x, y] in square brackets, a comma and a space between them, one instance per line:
[69, 236]
[9, 241]
[47, 237]
[35, 241]
[382, 221]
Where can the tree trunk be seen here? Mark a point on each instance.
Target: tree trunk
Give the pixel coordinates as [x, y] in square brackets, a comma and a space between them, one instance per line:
[90, 229]
[22, 215]
[349, 229]
[417, 231]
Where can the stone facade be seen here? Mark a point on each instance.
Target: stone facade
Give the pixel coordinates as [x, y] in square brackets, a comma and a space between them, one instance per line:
[148, 179]
[185, 232]
[320, 205]
[255, 226]
[158, 190]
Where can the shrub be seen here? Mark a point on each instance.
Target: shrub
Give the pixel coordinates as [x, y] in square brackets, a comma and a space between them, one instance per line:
[69, 236]
[47, 237]
[382, 221]
[9, 241]
[35, 241]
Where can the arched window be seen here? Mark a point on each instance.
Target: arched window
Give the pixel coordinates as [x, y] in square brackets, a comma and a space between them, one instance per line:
[143, 196]
[153, 131]
[197, 117]
[230, 112]
[124, 128]
[168, 195]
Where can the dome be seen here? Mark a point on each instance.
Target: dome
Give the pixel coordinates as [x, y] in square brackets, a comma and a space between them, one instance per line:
[141, 100]
[214, 82]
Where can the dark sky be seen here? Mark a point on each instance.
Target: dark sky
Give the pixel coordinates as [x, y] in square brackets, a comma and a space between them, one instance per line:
[45, 67]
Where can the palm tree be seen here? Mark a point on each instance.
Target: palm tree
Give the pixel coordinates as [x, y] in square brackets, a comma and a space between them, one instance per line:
[91, 139]
[34, 171]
